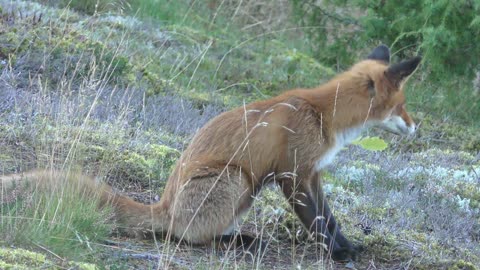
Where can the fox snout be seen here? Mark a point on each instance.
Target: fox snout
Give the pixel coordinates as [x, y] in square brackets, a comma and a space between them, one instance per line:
[399, 125]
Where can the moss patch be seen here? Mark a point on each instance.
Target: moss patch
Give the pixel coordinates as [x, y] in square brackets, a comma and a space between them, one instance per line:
[150, 168]
[18, 258]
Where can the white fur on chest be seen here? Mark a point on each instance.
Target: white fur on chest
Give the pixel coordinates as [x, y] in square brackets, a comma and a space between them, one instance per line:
[342, 139]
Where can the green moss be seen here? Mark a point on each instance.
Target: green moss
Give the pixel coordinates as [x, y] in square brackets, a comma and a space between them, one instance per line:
[132, 167]
[472, 144]
[157, 84]
[10, 42]
[469, 191]
[24, 259]
[167, 155]
[83, 266]
[377, 213]
[149, 168]
[462, 265]
[386, 247]
[401, 246]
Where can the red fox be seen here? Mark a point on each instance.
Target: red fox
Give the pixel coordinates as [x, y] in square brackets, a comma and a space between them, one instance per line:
[288, 140]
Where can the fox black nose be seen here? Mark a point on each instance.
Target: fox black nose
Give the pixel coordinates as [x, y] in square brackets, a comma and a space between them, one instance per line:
[412, 128]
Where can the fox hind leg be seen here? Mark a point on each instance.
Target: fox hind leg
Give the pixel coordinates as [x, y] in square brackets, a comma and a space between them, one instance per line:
[207, 208]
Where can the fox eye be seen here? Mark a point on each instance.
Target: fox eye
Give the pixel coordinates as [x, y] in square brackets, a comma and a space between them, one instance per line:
[371, 88]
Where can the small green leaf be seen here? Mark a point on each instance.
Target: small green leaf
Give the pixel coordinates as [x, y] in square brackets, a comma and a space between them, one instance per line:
[371, 143]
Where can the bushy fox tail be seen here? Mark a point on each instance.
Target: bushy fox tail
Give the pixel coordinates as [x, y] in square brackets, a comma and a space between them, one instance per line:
[133, 217]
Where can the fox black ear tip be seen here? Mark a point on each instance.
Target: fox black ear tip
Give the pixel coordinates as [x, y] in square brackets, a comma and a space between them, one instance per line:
[383, 47]
[417, 60]
[381, 52]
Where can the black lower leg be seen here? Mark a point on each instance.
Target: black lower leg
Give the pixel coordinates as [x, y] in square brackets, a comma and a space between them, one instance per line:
[333, 227]
[307, 211]
[316, 216]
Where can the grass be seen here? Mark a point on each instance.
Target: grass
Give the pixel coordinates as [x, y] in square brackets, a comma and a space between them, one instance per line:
[121, 96]
[452, 100]
[55, 217]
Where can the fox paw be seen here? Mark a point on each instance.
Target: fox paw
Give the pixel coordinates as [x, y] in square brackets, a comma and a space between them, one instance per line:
[346, 253]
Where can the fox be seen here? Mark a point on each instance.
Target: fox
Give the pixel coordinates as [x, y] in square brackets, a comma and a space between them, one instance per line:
[287, 140]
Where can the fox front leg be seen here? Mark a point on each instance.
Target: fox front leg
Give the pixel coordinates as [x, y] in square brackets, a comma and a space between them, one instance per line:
[307, 210]
[324, 210]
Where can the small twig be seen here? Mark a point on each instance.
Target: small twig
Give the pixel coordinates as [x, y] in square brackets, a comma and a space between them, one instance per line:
[49, 251]
[335, 103]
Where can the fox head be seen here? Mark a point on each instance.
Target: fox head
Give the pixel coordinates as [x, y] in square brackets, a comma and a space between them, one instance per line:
[385, 90]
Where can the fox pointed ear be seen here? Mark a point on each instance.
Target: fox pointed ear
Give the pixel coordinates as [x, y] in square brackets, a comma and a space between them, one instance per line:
[398, 73]
[381, 53]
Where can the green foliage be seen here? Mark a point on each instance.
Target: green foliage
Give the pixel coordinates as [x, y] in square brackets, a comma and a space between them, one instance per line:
[445, 32]
[329, 41]
[371, 143]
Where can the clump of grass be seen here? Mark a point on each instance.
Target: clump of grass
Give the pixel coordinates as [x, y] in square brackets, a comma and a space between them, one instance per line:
[55, 213]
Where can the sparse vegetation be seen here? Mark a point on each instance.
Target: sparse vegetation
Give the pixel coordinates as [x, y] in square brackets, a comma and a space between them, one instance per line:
[119, 88]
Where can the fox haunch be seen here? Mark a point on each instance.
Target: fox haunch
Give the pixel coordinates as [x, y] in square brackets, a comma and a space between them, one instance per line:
[287, 139]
